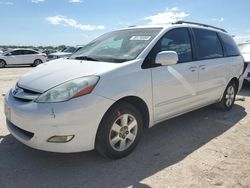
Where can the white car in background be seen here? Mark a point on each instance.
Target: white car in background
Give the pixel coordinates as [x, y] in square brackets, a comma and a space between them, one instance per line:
[65, 53]
[245, 51]
[106, 94]
[22, 57]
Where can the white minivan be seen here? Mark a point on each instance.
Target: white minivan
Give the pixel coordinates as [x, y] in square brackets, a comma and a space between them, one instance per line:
[123, 82]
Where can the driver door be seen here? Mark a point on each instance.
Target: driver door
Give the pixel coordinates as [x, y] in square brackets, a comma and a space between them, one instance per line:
[175, 86]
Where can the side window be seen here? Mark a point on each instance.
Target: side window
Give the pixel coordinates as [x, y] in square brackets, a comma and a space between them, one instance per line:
[29, 52]
[177, 40]
[229, 45]
[208, 44]
[17, 52]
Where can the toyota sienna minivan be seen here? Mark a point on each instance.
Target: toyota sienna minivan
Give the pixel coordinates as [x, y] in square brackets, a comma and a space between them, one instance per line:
[123, 82]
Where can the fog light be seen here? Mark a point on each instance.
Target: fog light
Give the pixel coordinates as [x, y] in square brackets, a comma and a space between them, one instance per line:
[61, 139]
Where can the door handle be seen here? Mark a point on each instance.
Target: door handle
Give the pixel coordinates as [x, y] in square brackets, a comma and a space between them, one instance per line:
[192, 68]
[202, 67]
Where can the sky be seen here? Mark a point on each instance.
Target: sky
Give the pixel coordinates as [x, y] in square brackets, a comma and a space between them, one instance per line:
[77, 22]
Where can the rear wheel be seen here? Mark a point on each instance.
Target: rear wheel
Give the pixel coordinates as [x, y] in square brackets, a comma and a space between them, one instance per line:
[37, 62]
[2, 63]
[119, 131]
[228, 98]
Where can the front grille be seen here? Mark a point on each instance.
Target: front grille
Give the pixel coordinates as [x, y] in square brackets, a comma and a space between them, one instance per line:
[26, 135]
[24, 95]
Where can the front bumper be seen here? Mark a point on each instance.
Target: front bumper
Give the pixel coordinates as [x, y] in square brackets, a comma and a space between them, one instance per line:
[33, 123]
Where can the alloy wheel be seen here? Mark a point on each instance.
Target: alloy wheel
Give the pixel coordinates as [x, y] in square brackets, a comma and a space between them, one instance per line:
[123, 132]
[230, 95]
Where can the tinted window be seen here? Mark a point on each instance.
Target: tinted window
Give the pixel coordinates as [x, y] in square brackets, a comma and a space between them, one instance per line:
[229, 44]
[208, 44]
[177, 40]
[16, 52]
[28, 52]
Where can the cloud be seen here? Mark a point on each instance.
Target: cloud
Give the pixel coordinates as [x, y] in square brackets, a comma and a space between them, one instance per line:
[37, 1]
[75, 1]
[166, 17]
[69, 22]
[221, 19]
[6, 3]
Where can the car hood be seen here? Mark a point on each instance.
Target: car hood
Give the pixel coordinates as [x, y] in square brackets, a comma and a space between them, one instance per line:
[246, 57]
[53, 73]
[60, 54]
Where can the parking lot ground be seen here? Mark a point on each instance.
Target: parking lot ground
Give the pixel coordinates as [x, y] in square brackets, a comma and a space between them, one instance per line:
[204, 148]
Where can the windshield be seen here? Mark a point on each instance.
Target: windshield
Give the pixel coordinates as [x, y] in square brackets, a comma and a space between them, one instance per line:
[117, 46]
[69, 50]
[245, 48]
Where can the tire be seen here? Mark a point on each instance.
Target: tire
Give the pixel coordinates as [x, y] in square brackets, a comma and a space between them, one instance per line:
[119, 131]
[228, 98]
[2, 63]
[37, 62]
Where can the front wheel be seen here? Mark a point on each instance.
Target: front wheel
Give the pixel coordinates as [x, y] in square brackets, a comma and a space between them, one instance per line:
[119, 131]
[228, 98]
[2, 64]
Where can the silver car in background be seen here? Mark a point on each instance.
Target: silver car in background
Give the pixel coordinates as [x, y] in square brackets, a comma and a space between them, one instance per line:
[65, 53]
[245, 51]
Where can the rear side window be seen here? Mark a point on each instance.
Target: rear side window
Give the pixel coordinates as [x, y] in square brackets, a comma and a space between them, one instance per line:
[229, 44]
[208, 44]
[29, 52]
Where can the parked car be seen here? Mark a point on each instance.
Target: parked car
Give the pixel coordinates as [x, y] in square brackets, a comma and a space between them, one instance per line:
[65, 53]
[22, 57]
[245, 51]
[107, 93]
[49, 51]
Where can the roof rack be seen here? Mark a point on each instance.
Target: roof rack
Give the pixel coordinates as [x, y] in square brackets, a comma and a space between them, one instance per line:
[200, 24]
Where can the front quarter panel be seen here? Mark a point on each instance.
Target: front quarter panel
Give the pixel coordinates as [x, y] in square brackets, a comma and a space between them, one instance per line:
[128, 80]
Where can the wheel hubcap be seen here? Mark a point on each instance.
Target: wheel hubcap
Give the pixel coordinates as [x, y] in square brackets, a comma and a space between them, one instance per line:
[230, 96]
[1, 64]
[123, 132]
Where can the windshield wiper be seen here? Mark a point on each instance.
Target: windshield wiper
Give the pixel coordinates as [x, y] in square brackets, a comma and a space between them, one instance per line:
[87, 58]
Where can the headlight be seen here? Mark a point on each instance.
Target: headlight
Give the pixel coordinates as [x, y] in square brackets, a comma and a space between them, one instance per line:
[68, 90]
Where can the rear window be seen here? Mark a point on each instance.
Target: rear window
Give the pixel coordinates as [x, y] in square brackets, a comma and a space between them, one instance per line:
[229, 44]
[208, 44]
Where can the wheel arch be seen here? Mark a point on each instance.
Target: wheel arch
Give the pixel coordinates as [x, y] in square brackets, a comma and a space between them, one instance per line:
[3, 61]
[138, 103]
[236, 81]
[38, 59]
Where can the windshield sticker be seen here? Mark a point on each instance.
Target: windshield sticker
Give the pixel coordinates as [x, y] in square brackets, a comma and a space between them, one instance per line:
[140, 38]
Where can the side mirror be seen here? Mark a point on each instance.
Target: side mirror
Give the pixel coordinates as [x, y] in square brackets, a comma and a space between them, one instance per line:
[167, 58]
[9, 54]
